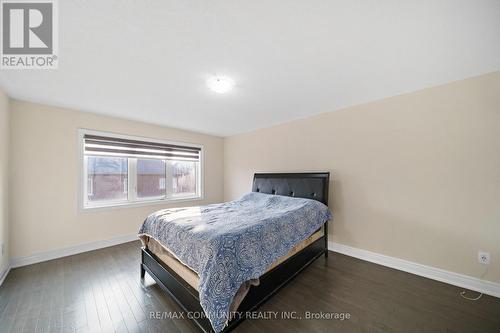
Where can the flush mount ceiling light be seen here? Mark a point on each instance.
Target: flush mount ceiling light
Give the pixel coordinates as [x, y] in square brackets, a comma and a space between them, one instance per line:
[220, 84]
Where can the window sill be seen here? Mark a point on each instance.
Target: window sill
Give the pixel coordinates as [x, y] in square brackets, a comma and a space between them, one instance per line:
[140, 203]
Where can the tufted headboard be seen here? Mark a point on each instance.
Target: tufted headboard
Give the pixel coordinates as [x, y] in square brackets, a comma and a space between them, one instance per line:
[309, 185]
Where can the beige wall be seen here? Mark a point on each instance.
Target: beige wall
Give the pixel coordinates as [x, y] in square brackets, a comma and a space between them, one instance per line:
[44, 178]
[4, 180]
[415, 176]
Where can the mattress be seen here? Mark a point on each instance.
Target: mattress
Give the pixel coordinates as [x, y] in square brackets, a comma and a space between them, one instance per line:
[191, 277]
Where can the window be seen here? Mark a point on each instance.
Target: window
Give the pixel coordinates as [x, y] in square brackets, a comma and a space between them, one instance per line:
[184, 178]
[120, 170]
[107, 177]
[150, 175]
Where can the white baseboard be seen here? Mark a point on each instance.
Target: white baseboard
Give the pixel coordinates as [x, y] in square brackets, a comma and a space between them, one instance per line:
[459, 280]
[68, 251]
[3, 273]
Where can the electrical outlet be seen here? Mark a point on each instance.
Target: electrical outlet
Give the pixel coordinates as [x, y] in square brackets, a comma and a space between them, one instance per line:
[483, 257]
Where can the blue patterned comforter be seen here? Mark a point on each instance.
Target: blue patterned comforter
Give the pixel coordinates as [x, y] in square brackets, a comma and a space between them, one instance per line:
[233, 242]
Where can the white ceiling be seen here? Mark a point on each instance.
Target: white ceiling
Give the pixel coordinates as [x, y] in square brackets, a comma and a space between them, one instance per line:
[148, 60]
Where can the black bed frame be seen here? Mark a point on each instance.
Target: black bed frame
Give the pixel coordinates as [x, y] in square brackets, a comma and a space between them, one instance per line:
[302, 185]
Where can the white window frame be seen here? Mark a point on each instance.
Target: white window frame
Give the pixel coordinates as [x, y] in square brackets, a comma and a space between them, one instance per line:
[133, 200]
[91, 192]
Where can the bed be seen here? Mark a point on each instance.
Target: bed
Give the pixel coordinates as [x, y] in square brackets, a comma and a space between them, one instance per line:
[191, 268]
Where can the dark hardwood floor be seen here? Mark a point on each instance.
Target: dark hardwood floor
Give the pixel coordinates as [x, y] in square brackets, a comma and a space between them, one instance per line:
[100, 291]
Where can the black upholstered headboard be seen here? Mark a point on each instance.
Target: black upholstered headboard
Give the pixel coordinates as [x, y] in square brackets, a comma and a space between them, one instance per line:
[309, 185]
